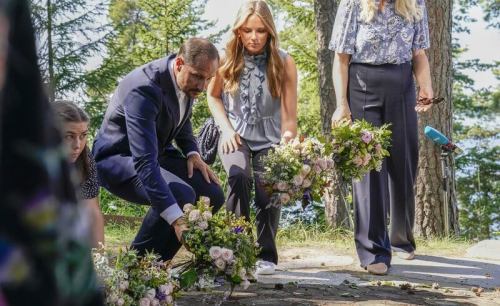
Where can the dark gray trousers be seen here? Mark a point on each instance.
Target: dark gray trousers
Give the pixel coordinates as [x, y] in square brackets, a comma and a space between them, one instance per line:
[386, 94]
[239, 166]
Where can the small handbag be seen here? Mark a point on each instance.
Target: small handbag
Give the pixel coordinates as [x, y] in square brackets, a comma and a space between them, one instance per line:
[208, 139]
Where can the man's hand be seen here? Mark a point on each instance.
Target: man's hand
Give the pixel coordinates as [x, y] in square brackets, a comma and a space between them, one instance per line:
[195, 162]
[180, 226]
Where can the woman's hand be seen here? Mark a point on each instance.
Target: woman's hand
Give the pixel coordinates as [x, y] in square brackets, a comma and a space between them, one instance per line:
[341, 113]
[424, 93]
[230, 141]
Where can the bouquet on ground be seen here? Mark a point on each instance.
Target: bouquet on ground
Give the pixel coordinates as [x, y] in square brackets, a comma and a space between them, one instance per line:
[359, 148]
[223, 248]
[297, 170]
[135, 280]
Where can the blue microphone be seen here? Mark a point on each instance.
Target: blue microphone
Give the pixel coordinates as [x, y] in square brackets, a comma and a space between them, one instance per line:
[442, 140]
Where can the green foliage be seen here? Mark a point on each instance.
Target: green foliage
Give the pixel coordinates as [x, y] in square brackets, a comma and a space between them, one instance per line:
[112, 205]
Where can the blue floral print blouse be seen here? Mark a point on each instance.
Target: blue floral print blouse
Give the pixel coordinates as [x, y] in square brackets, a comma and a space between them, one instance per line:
[388, 39]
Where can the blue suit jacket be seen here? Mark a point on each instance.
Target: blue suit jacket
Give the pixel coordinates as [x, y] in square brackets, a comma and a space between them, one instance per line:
[141, 122]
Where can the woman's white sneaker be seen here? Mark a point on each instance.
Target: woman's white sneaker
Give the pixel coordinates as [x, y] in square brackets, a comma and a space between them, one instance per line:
[265, 268]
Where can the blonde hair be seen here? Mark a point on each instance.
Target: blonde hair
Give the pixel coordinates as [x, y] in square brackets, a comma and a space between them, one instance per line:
[233, 63]
[408, 9]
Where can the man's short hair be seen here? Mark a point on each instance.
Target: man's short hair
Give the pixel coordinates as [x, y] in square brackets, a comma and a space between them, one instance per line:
[196, 51]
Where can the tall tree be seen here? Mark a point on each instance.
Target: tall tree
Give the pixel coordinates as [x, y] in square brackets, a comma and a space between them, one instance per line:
[429, 217]
[67, 35]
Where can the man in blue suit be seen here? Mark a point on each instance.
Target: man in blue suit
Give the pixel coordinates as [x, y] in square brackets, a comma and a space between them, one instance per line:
[133, 149]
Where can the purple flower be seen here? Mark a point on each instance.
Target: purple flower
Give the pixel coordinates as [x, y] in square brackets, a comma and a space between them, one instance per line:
[366, 136]
[161, 296]
[238, 229]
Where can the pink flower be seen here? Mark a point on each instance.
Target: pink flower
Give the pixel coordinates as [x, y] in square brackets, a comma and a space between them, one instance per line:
[166, 289]
[144, 302]
[297, 180]
[120, 302]
[155, 302]
[366, 136]
[215, 252]
[378, 148]
[206, 215]
[188, 207]
[358, 161]
[284, 198]
[203, 225]
[282, 186]
[169, 300]
[307, 183]
[305, 169]
[317, 169]
[323, 164]
[367, 159]
[194, 215]
[205, 201]
[227, 255]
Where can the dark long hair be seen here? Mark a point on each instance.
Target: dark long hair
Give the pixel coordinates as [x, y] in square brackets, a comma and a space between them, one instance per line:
[69, 112]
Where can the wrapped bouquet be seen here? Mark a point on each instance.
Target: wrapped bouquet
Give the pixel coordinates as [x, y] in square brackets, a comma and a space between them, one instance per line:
[297, 170]
[222, 245]
[135, 280]
[359, 148]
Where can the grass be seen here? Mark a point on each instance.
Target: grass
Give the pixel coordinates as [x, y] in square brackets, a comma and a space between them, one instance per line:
[305, 235]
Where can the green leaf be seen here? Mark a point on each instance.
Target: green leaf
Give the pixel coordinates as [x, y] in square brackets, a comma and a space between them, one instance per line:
[188, 278]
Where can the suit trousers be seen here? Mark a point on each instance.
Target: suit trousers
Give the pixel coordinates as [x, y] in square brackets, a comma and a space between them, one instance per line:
[155, 234]
[386, 94]
[240, 165]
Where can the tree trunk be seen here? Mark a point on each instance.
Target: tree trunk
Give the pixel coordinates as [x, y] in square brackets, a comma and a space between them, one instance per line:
[429, 201]
[336, 212]
[50, 53]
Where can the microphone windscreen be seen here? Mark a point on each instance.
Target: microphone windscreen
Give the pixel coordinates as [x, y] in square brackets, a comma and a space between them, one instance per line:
[436, 136]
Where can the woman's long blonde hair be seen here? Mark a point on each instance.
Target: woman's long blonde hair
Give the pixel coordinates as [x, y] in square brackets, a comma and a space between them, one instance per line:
[233, 63]
[408, 9]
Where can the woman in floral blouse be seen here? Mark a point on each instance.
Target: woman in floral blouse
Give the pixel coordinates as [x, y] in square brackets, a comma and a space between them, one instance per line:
[379, 46]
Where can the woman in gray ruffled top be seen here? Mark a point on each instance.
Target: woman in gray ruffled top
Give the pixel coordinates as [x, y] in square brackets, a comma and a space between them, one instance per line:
[253, 99]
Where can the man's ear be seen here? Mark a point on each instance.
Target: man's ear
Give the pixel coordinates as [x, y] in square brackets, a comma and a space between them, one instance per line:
[179, 61]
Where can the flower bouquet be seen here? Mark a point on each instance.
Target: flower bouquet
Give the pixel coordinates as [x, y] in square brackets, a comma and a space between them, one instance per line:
[297, 170]
[135, 280]
[223, 248]
[359, 148]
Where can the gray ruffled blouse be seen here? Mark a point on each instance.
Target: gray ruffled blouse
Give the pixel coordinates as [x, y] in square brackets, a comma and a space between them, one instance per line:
[387, 39]
[254, 114]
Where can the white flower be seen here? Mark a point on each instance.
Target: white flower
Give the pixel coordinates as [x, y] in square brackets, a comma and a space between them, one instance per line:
[245, 284]
[329, 163]
[305, 169]
[155, 302]
[194, 215]
[307, 183]
[297, 180]
[205, 201]
[144, 302]
[284, 198]
[203, 225]
[215, 252]
[113, 298]
[243, 273]
[282, 186]
[123, 285]
[188, 207]
[120, 302]
[169, 299]
[227, 255]
[150, 294]
[206, 215]
[220, 264]
[166, 289]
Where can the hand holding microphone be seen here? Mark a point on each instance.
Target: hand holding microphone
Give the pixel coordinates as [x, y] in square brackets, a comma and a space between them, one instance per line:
[442, 140]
